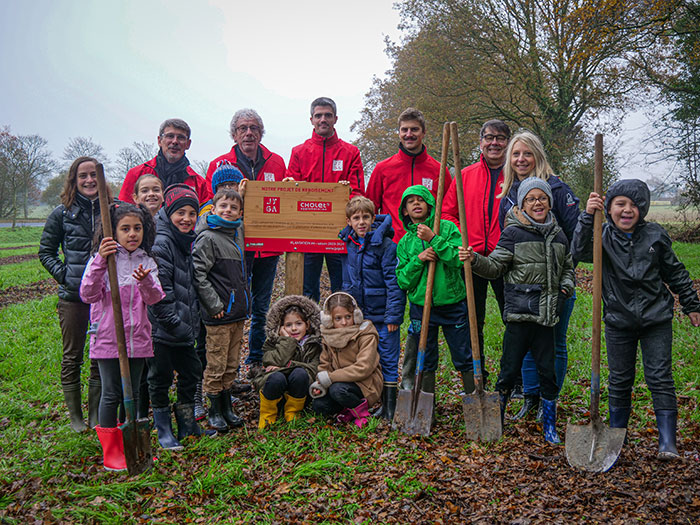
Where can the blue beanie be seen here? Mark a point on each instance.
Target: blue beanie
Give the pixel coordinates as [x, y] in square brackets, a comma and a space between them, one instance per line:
[226, 172]
[530, 184]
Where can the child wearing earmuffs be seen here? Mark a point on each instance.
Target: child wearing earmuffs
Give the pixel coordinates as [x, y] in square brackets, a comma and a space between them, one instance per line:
[349, 378]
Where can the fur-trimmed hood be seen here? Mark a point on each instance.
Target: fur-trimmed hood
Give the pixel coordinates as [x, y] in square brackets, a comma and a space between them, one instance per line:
[276, 312]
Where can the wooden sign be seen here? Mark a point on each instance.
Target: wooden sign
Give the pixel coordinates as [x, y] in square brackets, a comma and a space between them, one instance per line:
[302, 217]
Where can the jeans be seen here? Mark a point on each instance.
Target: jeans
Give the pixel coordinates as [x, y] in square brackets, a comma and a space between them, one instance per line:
[112, 387]
[518, 339]
[263, 270]
[74, 318]
[313, 263]
[622, 345]
[389, 348]
[296, 383]
[339, 396]
[166, 360]
[531, 384]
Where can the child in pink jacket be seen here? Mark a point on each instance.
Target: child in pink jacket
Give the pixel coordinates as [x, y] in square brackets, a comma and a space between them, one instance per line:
[134, 232]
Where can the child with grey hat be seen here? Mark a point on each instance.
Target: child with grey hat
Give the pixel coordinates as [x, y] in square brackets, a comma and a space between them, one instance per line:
[533, 256]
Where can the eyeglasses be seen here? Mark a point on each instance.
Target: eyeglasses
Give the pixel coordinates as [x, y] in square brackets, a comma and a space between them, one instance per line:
[243, 129]
[174, 136]
[544, 199]
[497, 138]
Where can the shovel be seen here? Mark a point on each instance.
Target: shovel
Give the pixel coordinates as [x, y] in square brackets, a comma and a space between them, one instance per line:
[414, 409]
[136, 433]
[595, 447]
[482, 410]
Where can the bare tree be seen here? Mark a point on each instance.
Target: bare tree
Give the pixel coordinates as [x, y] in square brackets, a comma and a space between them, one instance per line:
[83, 147]
[130, 156]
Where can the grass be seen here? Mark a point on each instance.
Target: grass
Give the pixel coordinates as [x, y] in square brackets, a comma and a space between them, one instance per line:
[688, 255]
[29, 250]
[22, 273]
[21, 236]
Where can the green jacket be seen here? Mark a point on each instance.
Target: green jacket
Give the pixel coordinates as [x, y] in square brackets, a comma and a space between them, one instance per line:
[412, 273]
[537, 265]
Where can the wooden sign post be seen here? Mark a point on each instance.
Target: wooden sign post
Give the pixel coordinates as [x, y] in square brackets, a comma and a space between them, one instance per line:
[296, 218]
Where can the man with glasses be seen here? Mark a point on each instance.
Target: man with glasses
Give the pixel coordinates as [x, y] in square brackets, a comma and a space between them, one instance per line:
[170, 165]
[325, 158]
[256, 162]
[482, 183]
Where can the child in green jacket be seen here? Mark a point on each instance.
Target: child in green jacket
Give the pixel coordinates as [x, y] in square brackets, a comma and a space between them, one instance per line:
[416, 249]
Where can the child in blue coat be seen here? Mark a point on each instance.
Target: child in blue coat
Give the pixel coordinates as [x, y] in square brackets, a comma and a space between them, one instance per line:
[370, 278]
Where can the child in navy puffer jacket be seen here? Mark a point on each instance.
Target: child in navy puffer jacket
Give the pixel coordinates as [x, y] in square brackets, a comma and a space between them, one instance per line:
[371, 279]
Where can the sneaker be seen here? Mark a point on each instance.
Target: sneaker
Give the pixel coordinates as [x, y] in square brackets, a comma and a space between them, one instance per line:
[517, 392]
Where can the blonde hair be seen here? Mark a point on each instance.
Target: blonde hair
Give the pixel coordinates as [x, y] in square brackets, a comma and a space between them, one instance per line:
[542, 168]
[359, 203]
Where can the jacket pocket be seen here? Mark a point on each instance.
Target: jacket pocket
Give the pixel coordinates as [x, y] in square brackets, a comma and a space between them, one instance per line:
[522, 299]
[375, 300]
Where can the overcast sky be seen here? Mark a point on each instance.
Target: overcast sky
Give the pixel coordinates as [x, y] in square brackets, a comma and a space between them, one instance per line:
[114, 71]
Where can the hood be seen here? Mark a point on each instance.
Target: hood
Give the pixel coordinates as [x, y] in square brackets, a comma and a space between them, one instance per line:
[423, 192]
[381, 227]
[634, 189]
[202, 223]
[306, 305]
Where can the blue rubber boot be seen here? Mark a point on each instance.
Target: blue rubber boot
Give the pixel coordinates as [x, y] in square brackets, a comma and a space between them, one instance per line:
[549, 420]
[619, 416]
[162, 420]
[667, 421]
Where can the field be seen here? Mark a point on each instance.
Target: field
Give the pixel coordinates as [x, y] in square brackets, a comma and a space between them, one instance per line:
[313, 471]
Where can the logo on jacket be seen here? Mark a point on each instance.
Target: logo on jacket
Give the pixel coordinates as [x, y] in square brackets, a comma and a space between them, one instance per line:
[269, 177]
[651, 249]
[314, 206]
[337, 165]
[570, 200]
[428, 183]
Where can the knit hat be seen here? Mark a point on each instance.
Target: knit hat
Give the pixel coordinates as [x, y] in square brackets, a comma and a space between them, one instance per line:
[225, 172]
[530, 184]
[178, 195]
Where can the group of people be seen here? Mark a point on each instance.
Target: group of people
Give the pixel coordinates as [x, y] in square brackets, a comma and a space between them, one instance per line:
[188, 284]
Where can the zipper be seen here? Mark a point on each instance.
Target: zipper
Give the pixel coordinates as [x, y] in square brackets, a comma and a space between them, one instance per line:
[323, 162]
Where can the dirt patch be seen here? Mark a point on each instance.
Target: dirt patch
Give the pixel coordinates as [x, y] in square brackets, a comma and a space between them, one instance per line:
[28, 292]
[18, 247]
[17, 258]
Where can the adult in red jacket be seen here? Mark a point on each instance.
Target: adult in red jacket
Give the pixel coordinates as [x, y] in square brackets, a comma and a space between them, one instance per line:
[325, 158]
[256, 162]
[170, 165]
[410, 166]
[482, 183]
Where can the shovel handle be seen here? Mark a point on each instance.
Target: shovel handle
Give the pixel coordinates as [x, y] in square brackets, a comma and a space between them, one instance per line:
[116, 298]
[597, 281]
[468, 277]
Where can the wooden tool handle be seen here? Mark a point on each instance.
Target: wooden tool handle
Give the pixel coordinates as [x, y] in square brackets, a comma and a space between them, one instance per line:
[597, 280]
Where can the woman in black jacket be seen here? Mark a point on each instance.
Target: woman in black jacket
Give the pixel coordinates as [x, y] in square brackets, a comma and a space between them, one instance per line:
[71, 227]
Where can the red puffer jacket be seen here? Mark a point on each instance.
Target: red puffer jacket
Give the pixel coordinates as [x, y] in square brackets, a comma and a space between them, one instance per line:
[327, 160]
[392, 176]
[483, 231]
[193, 180]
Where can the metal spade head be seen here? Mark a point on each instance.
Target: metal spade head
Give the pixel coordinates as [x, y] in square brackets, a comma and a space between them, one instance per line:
[482, 416]
[413, 419]
[593, 447]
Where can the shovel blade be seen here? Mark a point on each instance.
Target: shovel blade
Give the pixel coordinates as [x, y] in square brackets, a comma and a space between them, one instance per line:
[137, 446]
[593, 447]
[413, 420]
[482, 416]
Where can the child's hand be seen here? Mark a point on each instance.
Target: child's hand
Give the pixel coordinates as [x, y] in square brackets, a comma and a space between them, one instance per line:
[140, 273]
[424, 233]
[316, 391]
[392, 327]
[595, 202]
[289, 179]
[241, 188]
[108, 247]
[694, 318]
[428, 255]
[283, 332]
[344, 182]
[219, 315]
[271, 368]
[466, 254]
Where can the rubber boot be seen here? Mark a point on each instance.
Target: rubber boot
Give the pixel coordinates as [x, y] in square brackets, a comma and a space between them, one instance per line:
[162, 420]
[71, 394]
[232, 420]
[186, 423]
[503, 398]
[379, 412]
[549, 421]
[268, 411]
[112, 448]
[389, 401]
[428, 386]
[216, 420]
[94, 395]
[531, 403]
[144, 402]
[360, 413]
[619, 417]
[200, 412]
[467, 381]
[408, 368]
[293, 407]
[666, 422]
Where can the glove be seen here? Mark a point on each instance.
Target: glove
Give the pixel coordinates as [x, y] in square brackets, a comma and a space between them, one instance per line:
[318, 385]
[324, 378]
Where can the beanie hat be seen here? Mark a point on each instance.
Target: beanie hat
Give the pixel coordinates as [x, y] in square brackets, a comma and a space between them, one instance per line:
[225, 172]
[634, 189]
[530, 184]
[178, 195]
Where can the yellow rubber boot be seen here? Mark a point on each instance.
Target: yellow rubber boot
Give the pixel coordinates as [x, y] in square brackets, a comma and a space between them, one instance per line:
[292, 406]
[268, 411]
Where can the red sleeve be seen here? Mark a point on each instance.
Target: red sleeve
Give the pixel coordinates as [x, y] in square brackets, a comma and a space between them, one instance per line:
[294, 170]
[374, 189]
[450, 211]
[210, 173]
[127, 191]
[356, 176]
[203, 189]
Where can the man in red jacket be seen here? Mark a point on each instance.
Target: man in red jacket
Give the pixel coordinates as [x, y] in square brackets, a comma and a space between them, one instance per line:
[410, 166]
[482, 183]
[325, 158]
[256, 162]
[170, 165]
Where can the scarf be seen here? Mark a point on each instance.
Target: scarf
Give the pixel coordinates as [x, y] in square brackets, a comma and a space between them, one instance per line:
[217, 223]
[171, 173]
[339, 338]
[249, 168]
